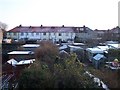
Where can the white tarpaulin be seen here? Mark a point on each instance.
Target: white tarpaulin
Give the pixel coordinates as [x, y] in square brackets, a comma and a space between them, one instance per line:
[25, 62]
[12, 61]
[21, 52]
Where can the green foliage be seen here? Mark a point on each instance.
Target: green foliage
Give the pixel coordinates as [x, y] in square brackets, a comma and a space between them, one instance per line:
[80, 54]
[114, 53]
[36, 78]
[77, 39]
[71, 74]
[66, 73]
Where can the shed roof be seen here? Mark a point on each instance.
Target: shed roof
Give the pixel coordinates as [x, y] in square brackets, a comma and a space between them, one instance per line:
[98, 57]
[31, 45]
[12, 61]
[21, 52]
[95, 50]
[103, 47]
[63, 51]
[63, 47]
[25, 62]
[78, 44]
[76, 47]
[114, 45]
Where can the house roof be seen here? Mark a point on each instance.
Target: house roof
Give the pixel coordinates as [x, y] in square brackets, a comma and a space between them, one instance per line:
[100, 31]
[115, 30]
[42, 29]
[63, 51]
[51, 29]
[21, 52]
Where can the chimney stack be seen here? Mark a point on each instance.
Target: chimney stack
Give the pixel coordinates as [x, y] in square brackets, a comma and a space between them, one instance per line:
[62, 25]
[41, 26]
[20, 25]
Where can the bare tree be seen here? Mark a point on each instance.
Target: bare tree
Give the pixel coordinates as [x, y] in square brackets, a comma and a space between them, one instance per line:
[3, 26]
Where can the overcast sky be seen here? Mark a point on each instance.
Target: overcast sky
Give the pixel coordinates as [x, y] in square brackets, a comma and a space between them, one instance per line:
[96, 14]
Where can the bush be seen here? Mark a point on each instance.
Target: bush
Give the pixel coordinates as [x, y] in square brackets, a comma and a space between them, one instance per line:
[47, 53]
[67, 75]
[114, 53]
[36, 78]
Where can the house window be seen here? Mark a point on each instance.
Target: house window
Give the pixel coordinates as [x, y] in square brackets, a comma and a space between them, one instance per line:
[37, 33]
[67, 34]
[44, 33]
[32, 34]
[59, 34]
[26, 33]
[14, 33]
[81, 29]
[22, 33]
[8, 33]
[77, 29]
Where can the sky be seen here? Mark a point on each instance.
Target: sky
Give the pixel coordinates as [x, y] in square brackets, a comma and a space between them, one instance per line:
[95, 14]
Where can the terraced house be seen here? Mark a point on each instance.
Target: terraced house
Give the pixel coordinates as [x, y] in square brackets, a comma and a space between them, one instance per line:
[85, 33]
[53, 33]
[42, 33]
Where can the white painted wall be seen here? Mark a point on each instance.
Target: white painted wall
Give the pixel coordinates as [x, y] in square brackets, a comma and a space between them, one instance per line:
[41, 36]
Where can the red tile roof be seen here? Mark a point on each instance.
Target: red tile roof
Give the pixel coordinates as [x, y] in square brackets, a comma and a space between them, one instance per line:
[54, 29]
[42, 29]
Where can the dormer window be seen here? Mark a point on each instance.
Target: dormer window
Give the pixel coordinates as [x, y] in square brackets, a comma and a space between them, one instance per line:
[81, 29]
[77, 29]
